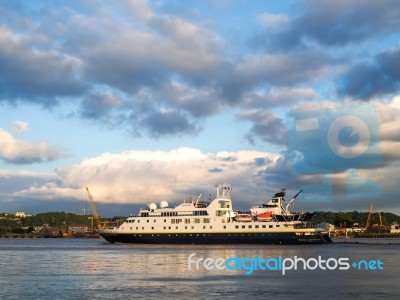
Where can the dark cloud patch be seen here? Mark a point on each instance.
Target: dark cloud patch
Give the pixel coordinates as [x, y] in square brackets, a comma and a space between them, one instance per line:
[262, 161]
[274, 97]
[28, 74]
[99, 105]
[280, 70]
[121, 66]
[266, 126]
[333, 23]
[280, 174]
[228, 158]
[11, 182]
[377, 78]
[198, 101]
[215, 170]
[147, 54]
[139, 112]
[389, 62]
[167, 122]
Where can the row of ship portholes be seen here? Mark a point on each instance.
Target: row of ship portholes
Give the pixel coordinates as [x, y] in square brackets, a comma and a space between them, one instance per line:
[208, 235]
[204, 227]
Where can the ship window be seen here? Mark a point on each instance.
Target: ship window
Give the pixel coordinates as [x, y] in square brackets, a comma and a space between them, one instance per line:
[256, 226]
[185, 227]
[236, 226]
[204, 227]
[142, 228]
[176, 227]
[138, 221]
[137, 228]
[270, 226]
[152, 228]
[210, 227]
[243, 226]
[169, 227]
[187, 221]
[278, 225]
[165, 227]
[155, 220]
[192, 227]
[224, 227]
[263, 226]
[131, 228]
[250, 226]
[148, 221]
[165, 220]
[197, 220]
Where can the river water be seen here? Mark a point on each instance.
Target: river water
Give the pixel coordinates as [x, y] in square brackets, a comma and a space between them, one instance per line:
[94, 269]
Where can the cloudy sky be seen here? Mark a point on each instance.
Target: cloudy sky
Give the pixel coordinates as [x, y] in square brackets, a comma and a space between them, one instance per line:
[160, 100]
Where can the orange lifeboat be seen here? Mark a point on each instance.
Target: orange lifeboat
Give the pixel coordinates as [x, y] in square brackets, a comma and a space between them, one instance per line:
[264, 217]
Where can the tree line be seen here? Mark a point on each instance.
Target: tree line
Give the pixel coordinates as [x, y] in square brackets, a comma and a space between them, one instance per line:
[348, 219]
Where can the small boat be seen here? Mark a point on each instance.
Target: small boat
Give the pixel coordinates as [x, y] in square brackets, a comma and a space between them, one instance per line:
[264, 217]
[243, 217]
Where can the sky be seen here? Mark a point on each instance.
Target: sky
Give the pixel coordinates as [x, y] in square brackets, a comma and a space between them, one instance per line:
[145, 101]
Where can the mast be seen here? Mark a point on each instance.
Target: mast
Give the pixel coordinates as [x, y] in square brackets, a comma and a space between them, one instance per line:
[223, 191]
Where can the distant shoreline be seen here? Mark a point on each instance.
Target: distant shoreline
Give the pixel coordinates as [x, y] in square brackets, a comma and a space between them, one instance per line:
[49, 235]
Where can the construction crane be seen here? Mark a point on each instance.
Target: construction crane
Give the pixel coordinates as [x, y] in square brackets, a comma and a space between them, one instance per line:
[95, 215]
[380, 218]
[371, 207]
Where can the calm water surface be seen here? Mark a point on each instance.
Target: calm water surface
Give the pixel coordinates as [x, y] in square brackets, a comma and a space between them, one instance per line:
[94, 269]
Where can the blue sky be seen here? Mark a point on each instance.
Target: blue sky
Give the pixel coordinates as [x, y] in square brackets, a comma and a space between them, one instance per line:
[149, 100]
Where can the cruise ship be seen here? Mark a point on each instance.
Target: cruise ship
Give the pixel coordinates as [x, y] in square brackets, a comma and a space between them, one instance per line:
[197, 221]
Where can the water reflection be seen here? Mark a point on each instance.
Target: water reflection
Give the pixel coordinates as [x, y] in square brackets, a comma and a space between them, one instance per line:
[65, 269]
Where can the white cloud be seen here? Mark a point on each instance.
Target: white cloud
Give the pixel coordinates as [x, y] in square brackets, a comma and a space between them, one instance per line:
[396, 102]
[21, 126]
[22, 152]
[137, 176]
[50, 191]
